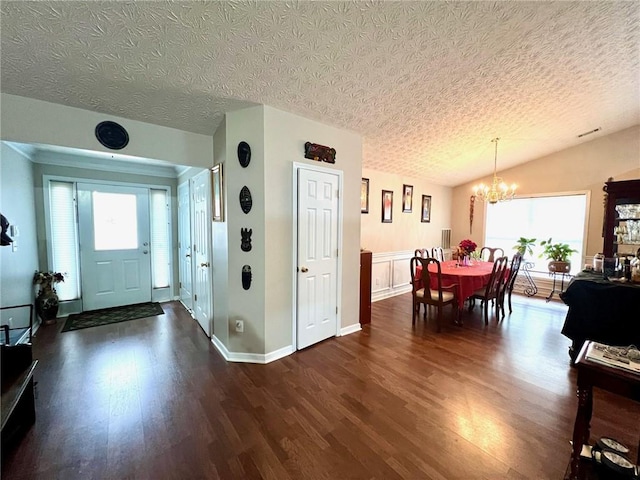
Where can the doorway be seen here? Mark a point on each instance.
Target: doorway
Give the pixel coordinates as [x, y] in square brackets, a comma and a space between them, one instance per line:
[114, 237]
[317, 254]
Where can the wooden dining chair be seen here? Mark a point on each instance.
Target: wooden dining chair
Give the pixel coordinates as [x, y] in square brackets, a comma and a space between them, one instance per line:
[437, 253]
[438, 297]
[421, 252]
[488, 254]
[511, 280]
[491, 292]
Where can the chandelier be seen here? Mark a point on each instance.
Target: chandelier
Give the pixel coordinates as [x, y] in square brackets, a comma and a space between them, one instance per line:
[498, 191]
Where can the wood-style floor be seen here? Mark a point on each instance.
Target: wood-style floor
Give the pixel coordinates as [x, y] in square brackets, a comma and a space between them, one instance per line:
[152, 399]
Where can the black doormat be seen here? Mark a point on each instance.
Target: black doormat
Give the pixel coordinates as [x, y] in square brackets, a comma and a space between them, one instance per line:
[104, 316]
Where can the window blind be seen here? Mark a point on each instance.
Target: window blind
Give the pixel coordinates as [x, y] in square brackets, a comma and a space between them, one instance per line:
[64, 238]
[160, 245]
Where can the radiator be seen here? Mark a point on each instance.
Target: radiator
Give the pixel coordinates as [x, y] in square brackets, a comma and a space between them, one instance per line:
[446, 238]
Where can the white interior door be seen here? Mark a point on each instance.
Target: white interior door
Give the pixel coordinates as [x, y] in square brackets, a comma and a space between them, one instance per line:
[115, 258]
[202, 294]
[317, 308]
[184, 246]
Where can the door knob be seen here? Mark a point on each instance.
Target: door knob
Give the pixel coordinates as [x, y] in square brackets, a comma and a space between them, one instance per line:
[304, 269]
[204, 264]
[145, 252]
[145, 244]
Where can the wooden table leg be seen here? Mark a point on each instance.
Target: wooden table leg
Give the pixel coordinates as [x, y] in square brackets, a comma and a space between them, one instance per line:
[581, 429]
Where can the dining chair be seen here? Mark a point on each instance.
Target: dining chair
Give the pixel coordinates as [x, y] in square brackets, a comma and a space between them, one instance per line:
[437, 253]
[438, 297]
[491, 292]
[421, 252]
[488, 254]
[511, 280]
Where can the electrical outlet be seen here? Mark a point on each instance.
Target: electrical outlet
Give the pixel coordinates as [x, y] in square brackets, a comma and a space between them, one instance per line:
[239, 326]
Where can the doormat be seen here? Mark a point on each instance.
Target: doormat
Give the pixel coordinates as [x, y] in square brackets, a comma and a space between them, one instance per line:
[105, 316]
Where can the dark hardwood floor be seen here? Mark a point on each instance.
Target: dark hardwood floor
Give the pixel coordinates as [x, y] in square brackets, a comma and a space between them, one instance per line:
[152, 399]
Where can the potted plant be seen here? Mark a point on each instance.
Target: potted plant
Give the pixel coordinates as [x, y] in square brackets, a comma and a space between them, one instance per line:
[524, 246]
[559, 254]
[47, 299]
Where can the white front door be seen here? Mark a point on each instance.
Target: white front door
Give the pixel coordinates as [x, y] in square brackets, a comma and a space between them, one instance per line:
[115, 255]
[317, 309]
[184, 246]
[201, 188]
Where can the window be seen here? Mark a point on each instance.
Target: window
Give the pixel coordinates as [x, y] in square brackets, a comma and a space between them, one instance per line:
[561, 218]
[160, 245]
[64, 238]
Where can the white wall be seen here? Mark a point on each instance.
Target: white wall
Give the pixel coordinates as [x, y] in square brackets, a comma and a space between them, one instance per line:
[17, 204]
[27, 120]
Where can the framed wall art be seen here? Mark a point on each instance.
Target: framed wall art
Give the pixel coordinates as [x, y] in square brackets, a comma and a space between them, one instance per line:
[426, 208]
[407, 198]
[387, 206]
[364, 196]
[216, 191]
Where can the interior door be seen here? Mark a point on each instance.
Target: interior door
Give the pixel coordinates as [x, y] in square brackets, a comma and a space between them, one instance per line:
[201, 188]
[115, 258]
[184, 246]
[317, 309]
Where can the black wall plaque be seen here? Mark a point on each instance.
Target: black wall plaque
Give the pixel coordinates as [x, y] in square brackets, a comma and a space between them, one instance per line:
[246, 277]
[245, 245]
[112, 135]
[246, 202]
[244, 154]
[319, 153]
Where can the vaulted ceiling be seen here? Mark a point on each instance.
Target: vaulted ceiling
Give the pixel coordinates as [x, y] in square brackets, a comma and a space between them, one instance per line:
[427, 84]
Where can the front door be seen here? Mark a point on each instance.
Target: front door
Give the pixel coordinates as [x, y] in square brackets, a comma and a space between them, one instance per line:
[201, 187]
[115, 255]
[317, 309]
[184, 246]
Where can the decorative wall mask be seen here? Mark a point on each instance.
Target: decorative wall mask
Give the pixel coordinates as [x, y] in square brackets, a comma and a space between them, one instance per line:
[246, 277]
[245, 245]
[112, 135]
[319, 153]
[246, 202]
[244, 154]
[5, 239]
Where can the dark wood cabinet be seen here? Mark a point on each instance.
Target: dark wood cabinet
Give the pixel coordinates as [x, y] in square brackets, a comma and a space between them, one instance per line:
[366, 258]
[622, 218]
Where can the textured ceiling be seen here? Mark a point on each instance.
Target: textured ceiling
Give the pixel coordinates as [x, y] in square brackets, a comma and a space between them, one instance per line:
[427, 84]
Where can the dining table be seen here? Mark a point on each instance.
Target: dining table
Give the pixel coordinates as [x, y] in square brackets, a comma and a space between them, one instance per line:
[468, 278]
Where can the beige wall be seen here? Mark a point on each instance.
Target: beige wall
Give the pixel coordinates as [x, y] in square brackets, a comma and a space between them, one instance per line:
[406, 232]
[582, 168]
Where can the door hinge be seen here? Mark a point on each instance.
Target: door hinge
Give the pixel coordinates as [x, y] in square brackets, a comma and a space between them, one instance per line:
[336, 310]
[195, 297]
[179, 284]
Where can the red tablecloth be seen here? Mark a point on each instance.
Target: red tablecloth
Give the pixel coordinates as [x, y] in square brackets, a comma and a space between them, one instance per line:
[469, 279]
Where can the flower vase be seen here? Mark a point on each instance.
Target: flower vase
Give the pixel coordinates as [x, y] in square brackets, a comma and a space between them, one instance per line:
[465, 261]
[47, 305]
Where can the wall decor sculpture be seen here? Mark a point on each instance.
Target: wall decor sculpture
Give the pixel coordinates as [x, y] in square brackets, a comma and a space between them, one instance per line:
[244, 154]
[246, 202]
[245, 245]
[246, 277]
[319, 153]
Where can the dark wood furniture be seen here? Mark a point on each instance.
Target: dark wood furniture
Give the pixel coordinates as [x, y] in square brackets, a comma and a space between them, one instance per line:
[592, 374]
[492, 290]
[600, 310]
[618, 193]
[18, 404]
[366, 259]
[433, 291]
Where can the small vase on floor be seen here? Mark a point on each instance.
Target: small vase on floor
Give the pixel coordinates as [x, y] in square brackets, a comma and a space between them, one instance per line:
[47, 305]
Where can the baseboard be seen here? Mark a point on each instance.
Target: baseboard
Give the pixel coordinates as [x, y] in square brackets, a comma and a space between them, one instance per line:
[356, 327]
[258, 358]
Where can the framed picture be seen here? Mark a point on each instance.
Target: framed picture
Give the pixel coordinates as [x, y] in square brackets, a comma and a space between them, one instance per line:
[407, 198]
[387, 206]
[216, 190]
[364, 196]
[426, 208]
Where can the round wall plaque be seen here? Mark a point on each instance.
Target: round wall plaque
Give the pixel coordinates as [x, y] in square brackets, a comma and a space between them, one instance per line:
[244, 154]
[246, 201]
[112, 135]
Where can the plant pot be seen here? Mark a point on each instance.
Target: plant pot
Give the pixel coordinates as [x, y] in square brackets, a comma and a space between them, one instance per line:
[559, 267]
[47, 305]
